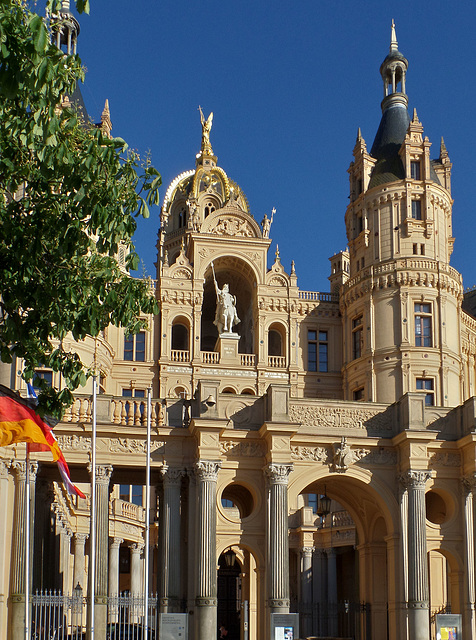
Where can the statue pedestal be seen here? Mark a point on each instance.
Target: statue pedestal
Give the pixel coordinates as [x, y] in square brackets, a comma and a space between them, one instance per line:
[227, 345]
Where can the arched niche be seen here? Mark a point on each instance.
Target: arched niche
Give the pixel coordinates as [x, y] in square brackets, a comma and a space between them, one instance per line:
[241, 280]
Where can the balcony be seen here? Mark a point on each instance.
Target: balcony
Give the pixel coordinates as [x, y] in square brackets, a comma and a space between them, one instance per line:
[180, 356]
[277, 362]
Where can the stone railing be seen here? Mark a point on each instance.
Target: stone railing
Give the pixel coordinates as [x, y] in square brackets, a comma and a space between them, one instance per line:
[180, 356]
[79, 411]
[277, 362]
[126, 511]
[247, 359]
[133, 412]
[210, 357]
[318, 296]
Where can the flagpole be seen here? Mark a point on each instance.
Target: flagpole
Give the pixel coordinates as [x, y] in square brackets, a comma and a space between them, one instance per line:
[147, 517]
[27, 544]
[92, 558]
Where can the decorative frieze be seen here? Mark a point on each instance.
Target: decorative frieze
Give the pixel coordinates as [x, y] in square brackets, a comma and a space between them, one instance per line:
[313, 454]
[445, 459]
[375, 421]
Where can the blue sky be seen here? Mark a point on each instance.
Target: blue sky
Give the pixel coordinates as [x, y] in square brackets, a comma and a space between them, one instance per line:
[289, 84]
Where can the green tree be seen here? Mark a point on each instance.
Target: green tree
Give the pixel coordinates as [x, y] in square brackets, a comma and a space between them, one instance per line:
[69, 196]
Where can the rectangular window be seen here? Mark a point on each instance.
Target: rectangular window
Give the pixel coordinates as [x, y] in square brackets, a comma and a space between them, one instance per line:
[317, 351]
[313, 501]
[312, 350]
[415, 169]
[323, 351]
[134, 347]
[423, 337]
[41, 374]
[416, 209]
[427, 385]
[131, 493]
[357, 335]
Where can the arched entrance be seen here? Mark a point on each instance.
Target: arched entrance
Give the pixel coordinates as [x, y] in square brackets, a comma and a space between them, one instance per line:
[229, 595]
[344, 551]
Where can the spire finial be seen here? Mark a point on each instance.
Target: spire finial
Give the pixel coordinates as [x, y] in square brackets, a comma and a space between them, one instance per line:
[415, 116]
[277, 252]
[393, 39]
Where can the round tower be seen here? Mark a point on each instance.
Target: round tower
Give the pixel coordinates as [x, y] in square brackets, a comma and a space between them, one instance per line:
[402, 293]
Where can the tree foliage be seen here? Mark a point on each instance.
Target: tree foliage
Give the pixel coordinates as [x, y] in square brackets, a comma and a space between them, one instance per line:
[69, 196]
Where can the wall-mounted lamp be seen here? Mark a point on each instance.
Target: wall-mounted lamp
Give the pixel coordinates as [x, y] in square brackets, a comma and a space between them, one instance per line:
[210, 401]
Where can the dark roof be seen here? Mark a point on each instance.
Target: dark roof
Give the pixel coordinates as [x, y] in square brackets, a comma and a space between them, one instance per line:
[390, 136]
[469, 302]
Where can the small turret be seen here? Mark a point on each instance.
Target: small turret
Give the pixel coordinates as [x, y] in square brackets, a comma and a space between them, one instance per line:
[65, 29]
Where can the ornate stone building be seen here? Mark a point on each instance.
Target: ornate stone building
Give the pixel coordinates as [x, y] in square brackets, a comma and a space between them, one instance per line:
[311, 452]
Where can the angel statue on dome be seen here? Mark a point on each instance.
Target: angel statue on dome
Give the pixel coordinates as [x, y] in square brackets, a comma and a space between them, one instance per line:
[206, 128]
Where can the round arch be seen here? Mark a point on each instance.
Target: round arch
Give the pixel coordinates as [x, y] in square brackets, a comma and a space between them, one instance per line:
[241, 277]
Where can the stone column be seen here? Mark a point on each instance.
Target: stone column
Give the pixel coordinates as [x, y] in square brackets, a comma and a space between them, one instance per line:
[206, 560]
[4, 548]
[277, 538]
[469, 511]
[136, 569]
[306, 590]
[332, 591]
[418, 589]
[319, 578]
[79, 566]
[103, 476]
[19, 549]
[114, 546]
[171, 541]
[191, 548]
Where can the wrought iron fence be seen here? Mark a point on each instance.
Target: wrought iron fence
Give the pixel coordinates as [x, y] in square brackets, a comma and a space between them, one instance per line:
[55, 616]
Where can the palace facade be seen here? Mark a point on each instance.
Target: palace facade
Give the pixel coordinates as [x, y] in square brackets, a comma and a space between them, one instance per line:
[319, 458]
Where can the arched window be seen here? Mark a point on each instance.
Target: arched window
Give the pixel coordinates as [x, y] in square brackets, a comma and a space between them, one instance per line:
[209, 208]
[275, 343]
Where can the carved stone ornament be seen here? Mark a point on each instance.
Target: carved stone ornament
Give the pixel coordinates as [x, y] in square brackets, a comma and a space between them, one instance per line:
[445, 459]
[313, 454]
[19, 469]
[207, 471]
[279, 602]
[74, 443]
[278, 473]
[344, 456]
[132, 445]
[241, 449]
[415, 479]
[4, 467]
[339, 418]
[229, 225]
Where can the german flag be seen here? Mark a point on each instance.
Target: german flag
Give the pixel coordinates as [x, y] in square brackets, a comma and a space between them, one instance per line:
[19, 422]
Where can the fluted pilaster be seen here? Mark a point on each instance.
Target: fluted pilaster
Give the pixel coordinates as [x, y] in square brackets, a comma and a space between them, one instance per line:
[114, 546]
[277, 537]
[306, 589]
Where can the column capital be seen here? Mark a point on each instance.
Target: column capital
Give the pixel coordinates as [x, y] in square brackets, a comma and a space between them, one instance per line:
[19, 470]
[469, 483]
[81, 537]
[206, 470]
[137, 547]
[4, 468]
[330, 551]
[278, 473]
[171, 476]
[115, 543]
[306, 552]
[415, 479]
[103, 473]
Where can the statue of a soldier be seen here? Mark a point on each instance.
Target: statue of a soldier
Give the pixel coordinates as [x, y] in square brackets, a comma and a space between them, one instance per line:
[225, 316]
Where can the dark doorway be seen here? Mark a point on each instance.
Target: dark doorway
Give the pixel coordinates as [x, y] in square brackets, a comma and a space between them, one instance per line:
[229, 595]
